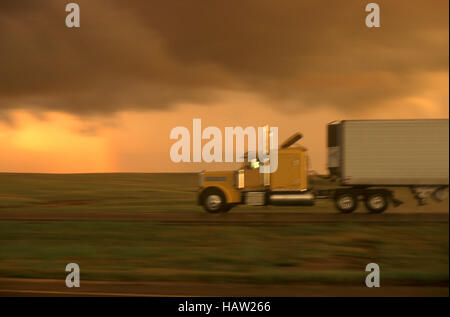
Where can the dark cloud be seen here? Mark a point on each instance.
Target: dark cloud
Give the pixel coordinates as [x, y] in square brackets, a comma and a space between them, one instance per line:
[153, 54]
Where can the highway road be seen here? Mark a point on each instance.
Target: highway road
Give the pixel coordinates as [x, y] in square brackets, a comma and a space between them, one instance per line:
[229, 218]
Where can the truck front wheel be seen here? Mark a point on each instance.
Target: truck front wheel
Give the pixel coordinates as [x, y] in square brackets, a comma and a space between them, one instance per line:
[214, 201]
[377, 202]
[346, 202]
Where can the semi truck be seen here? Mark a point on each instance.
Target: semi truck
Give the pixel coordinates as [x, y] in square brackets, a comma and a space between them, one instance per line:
[367, 159]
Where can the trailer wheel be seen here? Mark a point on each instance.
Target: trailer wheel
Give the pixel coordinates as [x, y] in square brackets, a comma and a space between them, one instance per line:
[440, 194]
[346, 202]
[377, 202]
[213, 200]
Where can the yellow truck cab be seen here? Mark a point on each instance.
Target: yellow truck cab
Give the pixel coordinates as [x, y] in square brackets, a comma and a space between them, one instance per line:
[220, 191]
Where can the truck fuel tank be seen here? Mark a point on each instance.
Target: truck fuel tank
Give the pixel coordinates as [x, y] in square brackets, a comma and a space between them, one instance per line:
[291, 198]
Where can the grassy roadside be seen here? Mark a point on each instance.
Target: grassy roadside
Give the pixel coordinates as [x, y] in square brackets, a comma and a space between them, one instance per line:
[330, 253]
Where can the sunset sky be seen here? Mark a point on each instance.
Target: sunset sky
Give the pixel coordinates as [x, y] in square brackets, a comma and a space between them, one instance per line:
[104, 97]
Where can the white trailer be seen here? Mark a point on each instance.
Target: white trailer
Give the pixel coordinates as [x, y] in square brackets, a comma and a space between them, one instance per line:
[367, 153]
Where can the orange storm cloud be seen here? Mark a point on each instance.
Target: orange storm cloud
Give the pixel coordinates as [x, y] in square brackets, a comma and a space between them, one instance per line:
[139, 141]
[104, 97]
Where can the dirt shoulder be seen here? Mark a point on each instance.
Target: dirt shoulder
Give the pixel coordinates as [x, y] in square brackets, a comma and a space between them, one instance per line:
[44, 287]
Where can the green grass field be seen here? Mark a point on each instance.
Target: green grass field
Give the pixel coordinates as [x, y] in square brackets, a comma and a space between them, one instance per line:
[310, 253]
[98, 192]
[408, 254]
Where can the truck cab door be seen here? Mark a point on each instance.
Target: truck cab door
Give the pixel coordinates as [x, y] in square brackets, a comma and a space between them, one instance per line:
[254, 180]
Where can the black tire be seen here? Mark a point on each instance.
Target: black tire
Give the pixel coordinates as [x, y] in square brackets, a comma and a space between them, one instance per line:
[214, 201]
[440, 194]
[346, 202]
[377, 202]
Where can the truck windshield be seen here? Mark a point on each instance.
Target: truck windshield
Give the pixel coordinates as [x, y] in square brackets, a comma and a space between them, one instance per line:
[253, 164]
